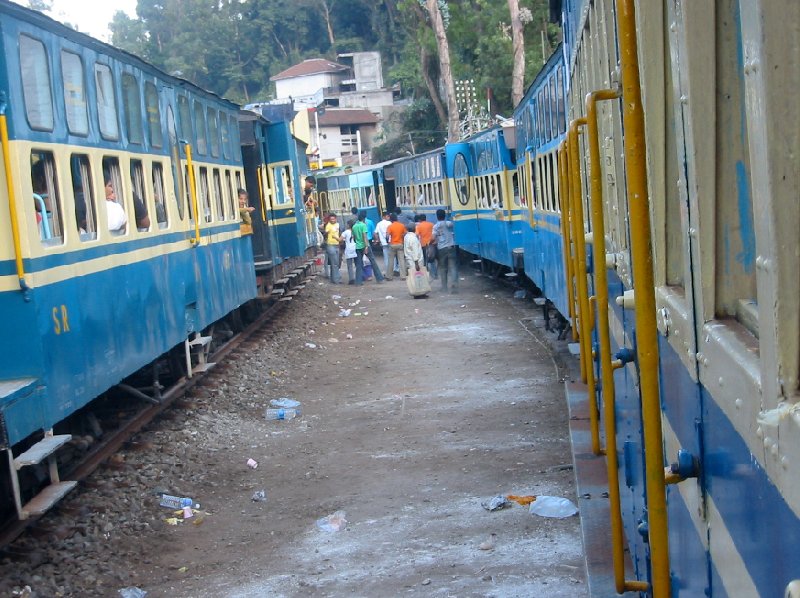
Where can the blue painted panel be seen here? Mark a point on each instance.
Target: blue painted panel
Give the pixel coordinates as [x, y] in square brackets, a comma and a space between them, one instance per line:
[689, 560]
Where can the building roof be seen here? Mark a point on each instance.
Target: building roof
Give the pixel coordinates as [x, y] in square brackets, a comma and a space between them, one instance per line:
[312, 66]
[342, 116]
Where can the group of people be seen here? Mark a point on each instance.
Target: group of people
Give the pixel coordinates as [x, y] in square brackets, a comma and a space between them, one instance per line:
[408, 244]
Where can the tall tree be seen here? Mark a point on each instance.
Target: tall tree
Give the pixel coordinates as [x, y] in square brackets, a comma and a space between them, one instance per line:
[444, 66]
[518, 42]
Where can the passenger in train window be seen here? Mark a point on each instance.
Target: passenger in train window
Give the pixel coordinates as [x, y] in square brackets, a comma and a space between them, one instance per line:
[140, 212]
[308, 195]
[117, 218]
[244, 208]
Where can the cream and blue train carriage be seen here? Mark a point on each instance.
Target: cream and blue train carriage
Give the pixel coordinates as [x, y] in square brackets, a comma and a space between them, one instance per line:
[280, 190]
[419, 184]
[367, 188]
[486, 204]
[540, 125]
[117, 242]
[682, 174]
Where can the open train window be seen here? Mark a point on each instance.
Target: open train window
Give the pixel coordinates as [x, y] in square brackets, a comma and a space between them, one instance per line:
[205, 195]
[106, 102]
[213, 131]
[200, 126]
[132, 109]
[85, 214]
[116, 214]
[218, 195]
[46, 199]
[461, 174]
[74, 93]
[141, 213]
[159, 195]
[36, 87]
[154, 131]
[515, 189]
[188, 188]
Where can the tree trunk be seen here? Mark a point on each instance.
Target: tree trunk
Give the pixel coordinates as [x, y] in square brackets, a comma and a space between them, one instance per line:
[326, 13]
[518, 42]
[433, 89]
[444, 68]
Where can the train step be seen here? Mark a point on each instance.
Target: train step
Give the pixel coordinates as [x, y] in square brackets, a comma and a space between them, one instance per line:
[277, 292]
[42, 502]
[200, 341]
[203, 367]
[540, 301]
[281, 281]
[41, 450]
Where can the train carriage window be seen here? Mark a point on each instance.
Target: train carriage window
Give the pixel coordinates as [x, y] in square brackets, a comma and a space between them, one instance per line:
[139, 196]
[185, 118]
[553, 185]
[132, 109]
[461, 179]
[74, 93]
[159, 195]
[106, 102]
[46, 199]
[224, 125]
[218, 195]
[562, 122]
[200, 126]
[205, 194]
[238, 180]
[213, 131]
[175, 155]
[85, 215]
[36, 86]
[231, 196]
[188, 188]
[154, 131]
[515, 188]
[116, 214]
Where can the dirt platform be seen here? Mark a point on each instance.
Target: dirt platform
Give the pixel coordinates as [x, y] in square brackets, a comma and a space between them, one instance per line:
[413, 412]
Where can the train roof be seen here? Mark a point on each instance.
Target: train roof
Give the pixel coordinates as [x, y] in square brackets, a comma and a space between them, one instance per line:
[555, 58]
[46, 23]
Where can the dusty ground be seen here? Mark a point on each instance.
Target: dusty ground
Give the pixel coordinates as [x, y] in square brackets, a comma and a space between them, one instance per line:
[431, 407]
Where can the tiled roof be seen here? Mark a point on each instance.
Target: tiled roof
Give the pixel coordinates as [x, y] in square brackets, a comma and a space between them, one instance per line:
[312, 66]
[342, 116]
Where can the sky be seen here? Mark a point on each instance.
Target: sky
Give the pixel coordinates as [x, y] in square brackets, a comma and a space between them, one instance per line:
[89, 16]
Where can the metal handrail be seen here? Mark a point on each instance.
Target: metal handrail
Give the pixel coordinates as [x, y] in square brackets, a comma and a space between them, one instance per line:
[193, 193]
[579, 262]
[563, 169]
[606, 367]
[645, 309]
[12, 196]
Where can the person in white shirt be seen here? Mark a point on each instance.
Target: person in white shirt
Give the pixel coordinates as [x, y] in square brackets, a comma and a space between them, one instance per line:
[412, 249]
[117, 218]
[350, 252]
[380, 234]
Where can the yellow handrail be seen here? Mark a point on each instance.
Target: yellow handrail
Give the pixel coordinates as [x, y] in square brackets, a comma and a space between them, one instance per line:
[261, 199]
[579, 264]
[12, 197]
[606, 368]
[642, 266]
[193, 192]
[563, 169]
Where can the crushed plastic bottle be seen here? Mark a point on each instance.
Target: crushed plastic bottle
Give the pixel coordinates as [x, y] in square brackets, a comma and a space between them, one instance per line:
[281, 413]
[176, 502]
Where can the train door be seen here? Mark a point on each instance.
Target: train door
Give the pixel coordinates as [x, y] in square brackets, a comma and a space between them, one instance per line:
[465, 209]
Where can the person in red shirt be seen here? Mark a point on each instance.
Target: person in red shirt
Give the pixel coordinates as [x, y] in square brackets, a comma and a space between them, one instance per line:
[394, 235]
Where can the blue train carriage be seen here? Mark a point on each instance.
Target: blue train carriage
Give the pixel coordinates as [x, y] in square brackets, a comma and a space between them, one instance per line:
[368, 190]
[282, 183]
[333, 188]
[104, 266]
[711, 382]
[487, 214]
[540, 127]
[253, 139]
[420, 184]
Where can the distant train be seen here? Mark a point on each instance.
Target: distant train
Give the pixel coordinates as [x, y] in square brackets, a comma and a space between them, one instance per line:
[121, 240]
[673, 251]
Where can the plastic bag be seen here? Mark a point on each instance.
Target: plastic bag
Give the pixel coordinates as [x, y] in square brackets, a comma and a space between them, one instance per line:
[553, 506]
[332, 523]
[418, 282]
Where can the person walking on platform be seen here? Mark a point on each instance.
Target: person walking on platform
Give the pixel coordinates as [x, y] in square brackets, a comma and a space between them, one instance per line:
[380, 234]
[424, 231]
[395, 233]
[362, 248]
[446, 250]
[332, 249]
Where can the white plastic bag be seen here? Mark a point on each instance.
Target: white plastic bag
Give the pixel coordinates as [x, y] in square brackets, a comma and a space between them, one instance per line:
[553, 506]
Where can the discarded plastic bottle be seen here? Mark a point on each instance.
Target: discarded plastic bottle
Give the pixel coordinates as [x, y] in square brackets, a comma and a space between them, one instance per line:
[281, 413]
[175, 502]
